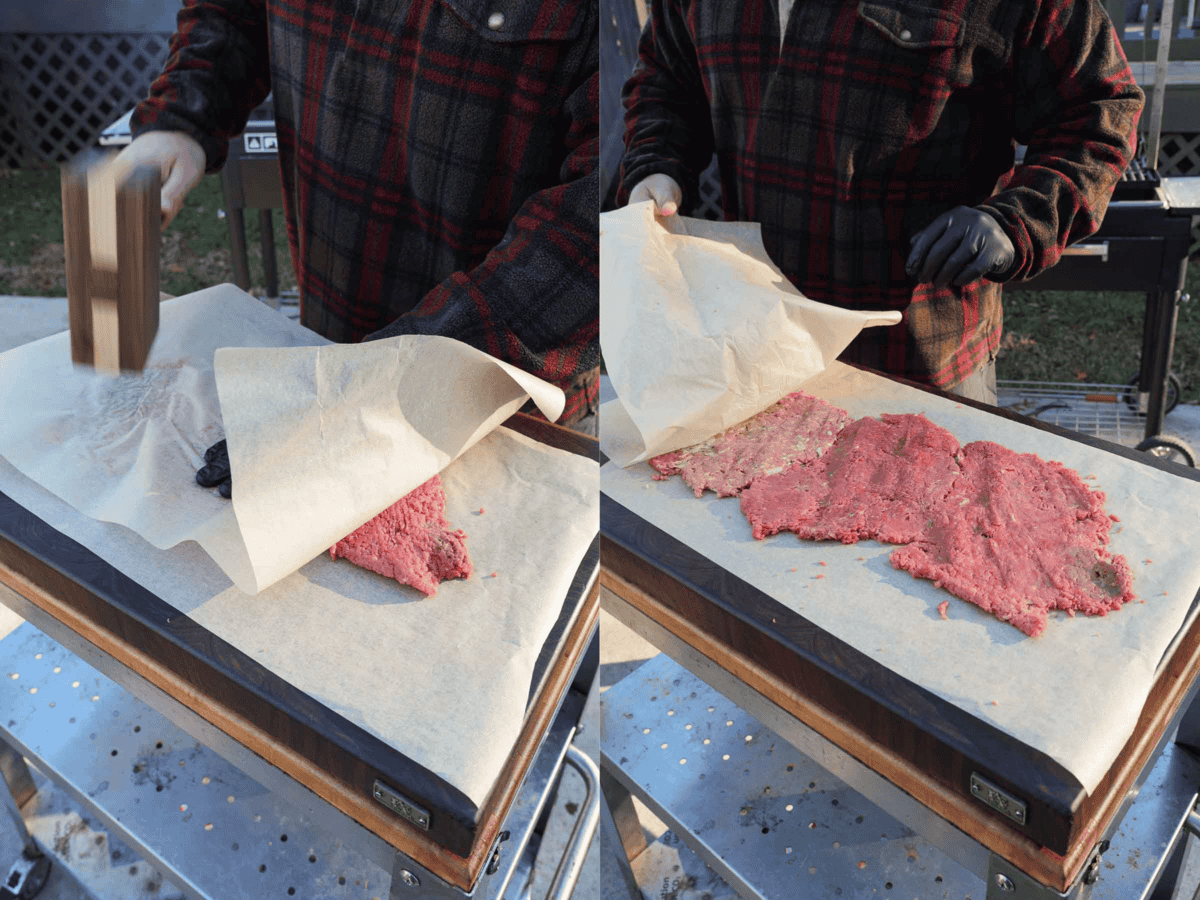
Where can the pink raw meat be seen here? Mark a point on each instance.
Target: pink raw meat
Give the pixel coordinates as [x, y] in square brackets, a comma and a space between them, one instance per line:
[797, 428]
[878, 481]
[1018, 536]
[410, 541]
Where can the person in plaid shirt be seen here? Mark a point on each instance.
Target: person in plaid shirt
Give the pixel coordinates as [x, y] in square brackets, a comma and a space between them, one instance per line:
[439, 161]
[874, 142]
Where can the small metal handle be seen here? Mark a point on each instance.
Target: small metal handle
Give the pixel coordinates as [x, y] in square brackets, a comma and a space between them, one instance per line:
[1099, 249]
[1138, 204]
[1192, 822]
[569, 867]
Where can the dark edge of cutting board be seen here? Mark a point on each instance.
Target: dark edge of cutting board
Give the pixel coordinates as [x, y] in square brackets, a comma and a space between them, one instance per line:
[555, 435]
[133, 615]
[844, 681]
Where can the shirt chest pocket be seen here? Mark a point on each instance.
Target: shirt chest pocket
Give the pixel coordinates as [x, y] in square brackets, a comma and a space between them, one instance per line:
[911, 26]
[907, 86]
[914, 43]
[521, 21]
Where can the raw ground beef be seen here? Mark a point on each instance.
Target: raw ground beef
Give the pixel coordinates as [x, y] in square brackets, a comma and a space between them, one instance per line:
[1019, 536]
[797, 428]
[410, 541]
[1010, 532]
[877, 482]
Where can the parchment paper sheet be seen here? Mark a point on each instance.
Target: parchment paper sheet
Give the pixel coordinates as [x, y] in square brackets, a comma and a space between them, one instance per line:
[700, 330]
[445, 679]
[321, 437]
[1075, 692]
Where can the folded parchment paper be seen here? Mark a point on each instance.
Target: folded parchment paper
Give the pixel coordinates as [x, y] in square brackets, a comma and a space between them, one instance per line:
[321, 438]
[699, 328]
[1075, 692]
[444, 680]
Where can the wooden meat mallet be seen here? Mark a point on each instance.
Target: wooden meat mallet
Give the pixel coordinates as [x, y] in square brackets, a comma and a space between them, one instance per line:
[111, 235]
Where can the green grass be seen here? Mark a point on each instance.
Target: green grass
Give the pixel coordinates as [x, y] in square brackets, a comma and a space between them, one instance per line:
[30, 213]
[195, 246]
[1093, 336]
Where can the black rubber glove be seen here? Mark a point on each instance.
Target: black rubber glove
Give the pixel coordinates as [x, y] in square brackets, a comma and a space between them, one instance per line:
[959, 247]
[215, 472]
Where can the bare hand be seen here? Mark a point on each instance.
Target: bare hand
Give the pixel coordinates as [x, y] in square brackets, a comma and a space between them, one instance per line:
[662, 189]
[958, 247]
[180, 160]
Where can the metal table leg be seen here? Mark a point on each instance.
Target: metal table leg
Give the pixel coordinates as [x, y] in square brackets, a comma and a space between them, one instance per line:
[626, 827]
[267, 227]
[1162, 308]
[1158, 332]
[29, 872]
[237, 243]
[614, 864]
[20, 788]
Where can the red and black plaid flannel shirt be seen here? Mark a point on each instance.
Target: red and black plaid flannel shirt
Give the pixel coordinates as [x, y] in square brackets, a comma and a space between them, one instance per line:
[439, 161]
[875, 118]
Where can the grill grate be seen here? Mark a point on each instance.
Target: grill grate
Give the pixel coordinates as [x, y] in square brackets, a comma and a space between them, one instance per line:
[1108, 411]
[1138, 182]
[59, 91]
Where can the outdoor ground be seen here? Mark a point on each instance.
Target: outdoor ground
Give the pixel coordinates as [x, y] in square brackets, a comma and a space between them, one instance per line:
[1049, 335]
[195, 246]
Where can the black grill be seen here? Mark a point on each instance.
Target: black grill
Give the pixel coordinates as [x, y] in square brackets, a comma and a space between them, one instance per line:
[1138, 182]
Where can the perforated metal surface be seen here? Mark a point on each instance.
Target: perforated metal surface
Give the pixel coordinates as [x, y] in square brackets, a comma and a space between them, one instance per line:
[202, 822]
[774, 824]
[768, 819]
[59, 91]
[176, 803]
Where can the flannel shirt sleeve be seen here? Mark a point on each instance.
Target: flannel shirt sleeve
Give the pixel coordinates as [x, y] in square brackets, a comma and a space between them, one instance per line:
[217, 72]
[668, 126]
[1076, 108]
[534, 300]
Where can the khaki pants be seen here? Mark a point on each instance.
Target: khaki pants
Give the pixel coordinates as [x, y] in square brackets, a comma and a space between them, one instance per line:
[979, 385]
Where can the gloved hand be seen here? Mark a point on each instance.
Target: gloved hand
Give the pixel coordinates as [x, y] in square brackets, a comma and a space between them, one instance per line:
[179, 158]
[662, 189]
[959, 246]
[215, 472]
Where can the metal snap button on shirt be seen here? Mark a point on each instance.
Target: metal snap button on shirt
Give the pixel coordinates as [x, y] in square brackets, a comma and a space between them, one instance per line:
[905, 35]
[496, 21]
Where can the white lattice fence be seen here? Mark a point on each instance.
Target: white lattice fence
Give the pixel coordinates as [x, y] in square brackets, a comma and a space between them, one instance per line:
[59, 91]
[708, 189]
[1179, 154]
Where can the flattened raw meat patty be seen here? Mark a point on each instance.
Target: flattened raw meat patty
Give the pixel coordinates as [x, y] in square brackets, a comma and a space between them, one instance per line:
[797, 428]
[410, 541]
[1019, 536]
[878, 481]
